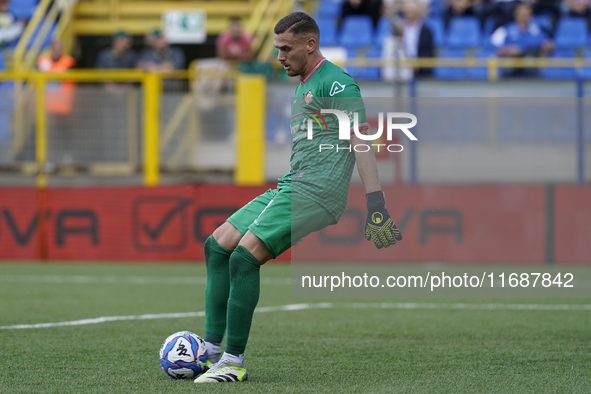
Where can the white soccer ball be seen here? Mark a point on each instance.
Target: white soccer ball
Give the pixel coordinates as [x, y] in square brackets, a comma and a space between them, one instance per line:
[183, 355]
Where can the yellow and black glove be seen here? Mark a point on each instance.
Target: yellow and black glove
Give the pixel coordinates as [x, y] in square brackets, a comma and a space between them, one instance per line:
[379, 226]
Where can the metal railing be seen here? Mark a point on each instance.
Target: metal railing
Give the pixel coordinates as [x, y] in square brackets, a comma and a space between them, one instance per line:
[151, 90]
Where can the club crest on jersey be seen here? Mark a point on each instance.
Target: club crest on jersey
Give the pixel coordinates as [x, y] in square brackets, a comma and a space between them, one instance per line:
[307, 98]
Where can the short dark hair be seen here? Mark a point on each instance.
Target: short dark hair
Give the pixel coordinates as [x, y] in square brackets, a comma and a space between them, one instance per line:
[298, 23]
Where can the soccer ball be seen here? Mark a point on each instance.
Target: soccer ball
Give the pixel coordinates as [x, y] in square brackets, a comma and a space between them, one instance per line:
[183, 355]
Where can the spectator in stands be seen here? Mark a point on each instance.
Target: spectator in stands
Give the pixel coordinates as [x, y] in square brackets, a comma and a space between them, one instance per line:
[60, 96]
[10, 28]
[462, 8]
[56, 61]
[417, 37]
[547, 7]
[119, 55]
[371, 8]
[235, 43]
[523, 36]
[577, 8]
[412, 37]
[503, 11]
[160, 56]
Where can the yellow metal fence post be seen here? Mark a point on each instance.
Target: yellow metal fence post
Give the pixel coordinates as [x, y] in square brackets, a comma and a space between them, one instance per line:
[41, 159]
[250, 130]
[41, 132]
[152, 89]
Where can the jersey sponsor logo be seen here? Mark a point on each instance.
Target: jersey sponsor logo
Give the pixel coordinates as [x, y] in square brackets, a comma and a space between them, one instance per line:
[336, 88]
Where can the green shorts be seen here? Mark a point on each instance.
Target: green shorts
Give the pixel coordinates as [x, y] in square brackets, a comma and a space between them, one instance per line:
[269, 217]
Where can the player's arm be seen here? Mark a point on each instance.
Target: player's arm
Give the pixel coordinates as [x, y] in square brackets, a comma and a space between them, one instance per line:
[367, 166]
[379, 226]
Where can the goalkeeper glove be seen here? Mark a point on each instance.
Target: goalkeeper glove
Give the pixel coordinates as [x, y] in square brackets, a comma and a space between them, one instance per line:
[379, 226]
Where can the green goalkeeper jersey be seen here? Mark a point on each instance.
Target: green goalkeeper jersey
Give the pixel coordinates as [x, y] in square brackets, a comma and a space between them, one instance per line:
[323, 176]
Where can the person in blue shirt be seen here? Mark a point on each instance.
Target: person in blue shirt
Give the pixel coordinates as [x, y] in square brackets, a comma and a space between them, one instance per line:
[522, 37]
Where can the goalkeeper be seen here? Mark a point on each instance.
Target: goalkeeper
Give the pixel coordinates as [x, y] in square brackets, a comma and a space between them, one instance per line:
[310, 197]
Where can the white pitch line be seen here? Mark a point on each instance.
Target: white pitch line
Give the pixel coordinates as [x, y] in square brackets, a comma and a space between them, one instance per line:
[322, 305]
[181, 315]
[134, 280]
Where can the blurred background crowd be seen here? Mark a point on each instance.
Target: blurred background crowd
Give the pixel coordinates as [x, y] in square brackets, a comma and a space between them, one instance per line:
[350, 29]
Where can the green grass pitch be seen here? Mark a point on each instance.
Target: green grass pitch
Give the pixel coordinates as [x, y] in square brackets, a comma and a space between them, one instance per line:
[332, 350]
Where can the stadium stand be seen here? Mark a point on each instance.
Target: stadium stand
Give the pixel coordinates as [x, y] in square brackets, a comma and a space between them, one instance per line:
[481, 73]
[545, 22]
[383, 30]
[356, 31]
[560, 72]
[328, 31]
[438, 30]
[571, 33]
[586, 71]
[464, 32]
[487, 30]
[436, 8]
[466, 37]
[329, 9]
[450, 72]
[364, 72]
[22, 8]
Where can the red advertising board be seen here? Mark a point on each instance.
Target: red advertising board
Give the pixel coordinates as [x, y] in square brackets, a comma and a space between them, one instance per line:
[468, 224]
[463, 223]
[573, 224]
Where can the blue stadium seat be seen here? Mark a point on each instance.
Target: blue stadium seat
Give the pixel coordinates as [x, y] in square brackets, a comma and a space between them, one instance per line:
[364, 72]
[450, 72]
[6, 105]
[571, 32]
[372, 72]
[329, 9]
[487, 31]
[545, 22]
[464, 32]
[560, 72]
[383, 30]
[356, 31]
[328, 32]
[22, 8]
[481, 73]
[438, 29]
[586, 71]
[436, 8]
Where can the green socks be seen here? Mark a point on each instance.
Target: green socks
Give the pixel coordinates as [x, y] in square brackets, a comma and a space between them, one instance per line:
[217, 290]
[231, 294]
[244, 295]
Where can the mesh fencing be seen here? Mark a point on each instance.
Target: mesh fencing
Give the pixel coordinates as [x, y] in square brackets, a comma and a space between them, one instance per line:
[99, 125]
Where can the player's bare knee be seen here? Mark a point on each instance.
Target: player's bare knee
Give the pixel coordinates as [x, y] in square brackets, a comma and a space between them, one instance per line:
[227, 236]
[256, 247]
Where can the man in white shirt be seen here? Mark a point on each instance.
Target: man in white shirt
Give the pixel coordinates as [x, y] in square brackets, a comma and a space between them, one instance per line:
[416, 41]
